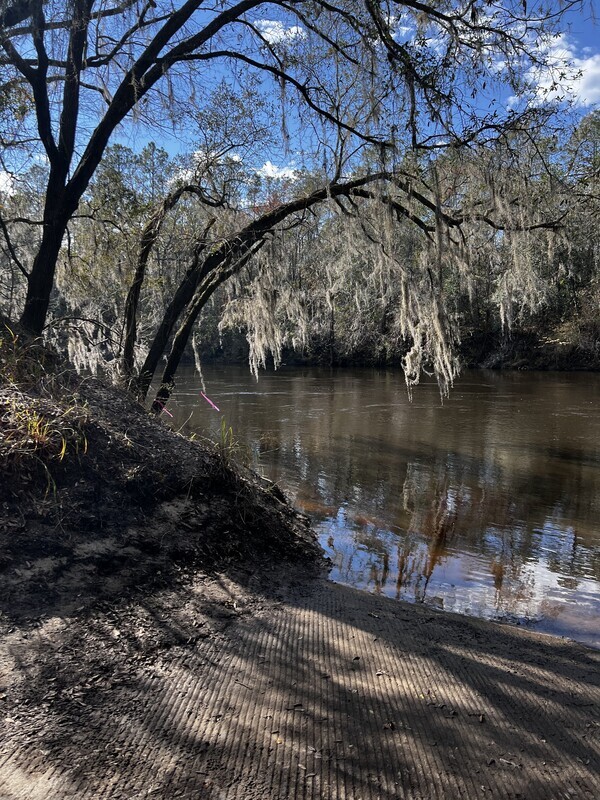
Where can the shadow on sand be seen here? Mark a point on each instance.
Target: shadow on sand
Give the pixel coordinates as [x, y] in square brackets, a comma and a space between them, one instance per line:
[270, 685]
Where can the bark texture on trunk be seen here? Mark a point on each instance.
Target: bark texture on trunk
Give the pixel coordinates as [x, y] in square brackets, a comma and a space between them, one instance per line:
[41, 278]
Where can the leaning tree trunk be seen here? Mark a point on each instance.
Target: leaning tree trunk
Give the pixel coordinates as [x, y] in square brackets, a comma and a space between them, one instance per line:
[195, 278]
[241, 245]
[203, 294]
[180, 341]
[180, 300]
[131, 306]
[148, 240]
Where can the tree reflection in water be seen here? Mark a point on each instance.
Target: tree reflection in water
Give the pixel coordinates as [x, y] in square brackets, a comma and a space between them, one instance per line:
[488, 504]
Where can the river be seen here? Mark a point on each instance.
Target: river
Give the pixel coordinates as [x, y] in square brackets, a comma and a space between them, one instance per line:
[487, 504]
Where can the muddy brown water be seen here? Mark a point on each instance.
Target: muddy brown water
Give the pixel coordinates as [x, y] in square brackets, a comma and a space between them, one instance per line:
[486, 505]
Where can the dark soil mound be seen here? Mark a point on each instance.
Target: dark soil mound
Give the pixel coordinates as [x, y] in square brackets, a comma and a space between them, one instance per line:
[98, 499]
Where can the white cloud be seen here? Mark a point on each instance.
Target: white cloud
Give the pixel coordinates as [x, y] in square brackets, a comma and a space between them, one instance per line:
[269, 170]
[275, 31]
[398, 30]
[7, 182]
[588, 89]
[568, 74]
[402, 32]
[201, 160]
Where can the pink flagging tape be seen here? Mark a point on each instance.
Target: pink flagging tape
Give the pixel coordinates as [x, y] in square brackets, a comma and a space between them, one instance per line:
[210, 402]
[166, 410]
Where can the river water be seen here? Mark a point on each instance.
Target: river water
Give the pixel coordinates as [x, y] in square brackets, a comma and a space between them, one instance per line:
[487, 504]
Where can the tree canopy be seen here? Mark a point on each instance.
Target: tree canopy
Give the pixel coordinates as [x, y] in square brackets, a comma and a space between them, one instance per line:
[396, 116]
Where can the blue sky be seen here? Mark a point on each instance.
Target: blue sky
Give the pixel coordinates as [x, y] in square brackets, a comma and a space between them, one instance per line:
[579, 44]
[585, 25]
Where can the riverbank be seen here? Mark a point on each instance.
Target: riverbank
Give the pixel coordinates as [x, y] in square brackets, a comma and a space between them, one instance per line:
[99, 499]
[166, 631]
[546, 342]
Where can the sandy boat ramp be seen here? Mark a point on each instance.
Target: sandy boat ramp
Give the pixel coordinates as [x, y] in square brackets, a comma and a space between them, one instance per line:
[221, 689]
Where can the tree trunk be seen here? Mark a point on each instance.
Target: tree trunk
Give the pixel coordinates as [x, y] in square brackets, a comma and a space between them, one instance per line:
[242, 243]
[133, 299]
[205, 291]
[131, 306]
[148, 240]
[180, 341]
[41, 278]
[195, 276]
[181, 298]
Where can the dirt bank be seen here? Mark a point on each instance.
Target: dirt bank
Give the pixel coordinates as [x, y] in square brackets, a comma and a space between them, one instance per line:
[97, 499]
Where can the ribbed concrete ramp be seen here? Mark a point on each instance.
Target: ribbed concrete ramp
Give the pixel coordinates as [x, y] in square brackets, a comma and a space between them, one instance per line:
[325, 693]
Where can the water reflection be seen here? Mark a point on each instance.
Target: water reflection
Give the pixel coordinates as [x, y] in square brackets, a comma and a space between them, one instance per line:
[486, 505]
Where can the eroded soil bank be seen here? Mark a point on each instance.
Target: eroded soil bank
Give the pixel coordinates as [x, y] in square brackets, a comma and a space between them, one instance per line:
[107, 500]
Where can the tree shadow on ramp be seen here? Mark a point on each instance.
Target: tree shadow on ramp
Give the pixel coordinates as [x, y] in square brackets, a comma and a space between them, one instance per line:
[310, 690]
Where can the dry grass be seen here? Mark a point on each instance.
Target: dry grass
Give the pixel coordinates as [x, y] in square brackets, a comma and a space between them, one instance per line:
[40, 420]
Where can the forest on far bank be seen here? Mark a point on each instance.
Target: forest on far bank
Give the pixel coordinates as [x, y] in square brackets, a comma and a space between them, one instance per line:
[317, 293]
